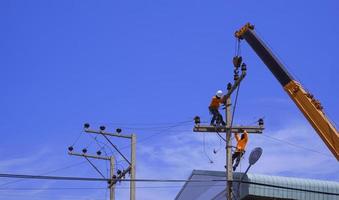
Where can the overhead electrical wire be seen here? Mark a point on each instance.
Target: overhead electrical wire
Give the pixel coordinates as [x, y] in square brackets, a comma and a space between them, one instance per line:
[173, 125]
[117, 162]
[48, 172]
[91, 142]
[159, 129]
[291, 143]
[76, 140]
[104, 188]
[106, 165]
[204, 149]
[159, 132]
[64, 178]
[297, 146]
[159, 180]
[96, 169]
[104, 149]
[155, 128]
[148, 124]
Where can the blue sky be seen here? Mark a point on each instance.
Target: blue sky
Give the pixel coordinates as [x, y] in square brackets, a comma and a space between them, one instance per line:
[132, 63]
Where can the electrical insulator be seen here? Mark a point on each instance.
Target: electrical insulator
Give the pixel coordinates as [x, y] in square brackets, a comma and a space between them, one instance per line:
[197, 120]
[119, 172]
[243, 67]
[98, 153]
[236, 77]
[237, 61]
[261, 122]
[86, 125]
[84, 151]
[229, 86]
[102, 128]
[118, 130]
[70, 148]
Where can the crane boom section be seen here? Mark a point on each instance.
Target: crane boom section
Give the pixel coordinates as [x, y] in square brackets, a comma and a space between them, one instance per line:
[311, 109]
[307, 104]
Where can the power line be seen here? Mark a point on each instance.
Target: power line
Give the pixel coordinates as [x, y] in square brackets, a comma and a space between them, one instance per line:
[39, 196]
[170, 186]
[155, 128]
[104, 149]
[104, 188]
[57, 188]
[289, 188]
[65, 178]
[148, 124]
[159, 180]
[48, 172]
[297, 146]
[96, 169]
[159, 132]
[77, 138]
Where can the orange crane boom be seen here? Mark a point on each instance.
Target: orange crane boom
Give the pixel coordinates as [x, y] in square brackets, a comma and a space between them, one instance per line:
[307, 104]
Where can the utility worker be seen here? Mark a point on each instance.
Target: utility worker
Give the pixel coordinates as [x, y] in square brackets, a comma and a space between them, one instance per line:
[240, 150]
[214, 109]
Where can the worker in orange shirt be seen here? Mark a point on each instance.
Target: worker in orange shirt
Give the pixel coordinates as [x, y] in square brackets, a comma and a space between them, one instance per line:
[240, 150]
[214, 109]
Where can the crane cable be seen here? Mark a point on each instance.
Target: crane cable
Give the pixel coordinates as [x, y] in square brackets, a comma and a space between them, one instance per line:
[237, 53]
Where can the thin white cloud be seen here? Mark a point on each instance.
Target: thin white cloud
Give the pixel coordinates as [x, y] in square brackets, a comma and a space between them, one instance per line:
[177, 155]
[23, 162]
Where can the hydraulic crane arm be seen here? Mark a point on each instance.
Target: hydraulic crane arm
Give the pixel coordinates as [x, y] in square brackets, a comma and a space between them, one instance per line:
[308, 105]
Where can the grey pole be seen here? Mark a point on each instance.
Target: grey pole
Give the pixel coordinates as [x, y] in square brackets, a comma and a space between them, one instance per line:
[133, 169]
[229, 170]
[112, 188]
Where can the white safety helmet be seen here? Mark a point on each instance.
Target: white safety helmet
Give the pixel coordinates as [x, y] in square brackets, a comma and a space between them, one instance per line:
[219, 93]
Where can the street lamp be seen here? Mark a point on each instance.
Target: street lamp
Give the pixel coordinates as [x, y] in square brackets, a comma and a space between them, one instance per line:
[254, 157]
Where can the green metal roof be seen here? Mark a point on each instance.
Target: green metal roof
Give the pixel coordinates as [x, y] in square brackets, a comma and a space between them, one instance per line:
[216, 191]
[322, 187]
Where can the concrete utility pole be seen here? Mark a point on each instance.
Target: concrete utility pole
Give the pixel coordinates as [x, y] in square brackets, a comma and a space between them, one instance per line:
[133, 171]
[112, 163]
[132, 164]
[229, 129]
[229, 170]
[111, 175]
